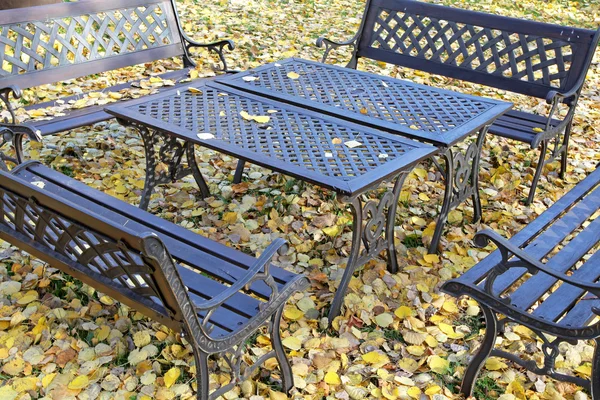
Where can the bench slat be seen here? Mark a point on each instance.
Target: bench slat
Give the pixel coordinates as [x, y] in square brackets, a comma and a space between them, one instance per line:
[535, 287]
[552, 236]
[566, 295]
[188, 247]
[481, 269]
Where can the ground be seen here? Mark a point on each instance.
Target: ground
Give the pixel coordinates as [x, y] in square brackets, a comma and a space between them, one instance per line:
[399, 337]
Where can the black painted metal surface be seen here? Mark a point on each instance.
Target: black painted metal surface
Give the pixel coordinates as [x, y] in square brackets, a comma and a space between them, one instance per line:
[546, 277]
[438, 116]
[181, 279]
[296, 142]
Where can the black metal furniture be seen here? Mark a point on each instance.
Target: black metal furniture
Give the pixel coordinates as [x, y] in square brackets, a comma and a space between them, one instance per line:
[546, 278]
[344, 157]
[56, 42]
[440, 117]
[182, 280]
[531, 58]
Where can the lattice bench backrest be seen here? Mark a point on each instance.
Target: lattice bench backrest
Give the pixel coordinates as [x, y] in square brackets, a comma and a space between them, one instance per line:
[517, 55]
[51, 43]
[102, 254]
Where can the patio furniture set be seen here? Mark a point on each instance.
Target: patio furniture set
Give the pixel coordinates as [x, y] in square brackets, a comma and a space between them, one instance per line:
[338, 128]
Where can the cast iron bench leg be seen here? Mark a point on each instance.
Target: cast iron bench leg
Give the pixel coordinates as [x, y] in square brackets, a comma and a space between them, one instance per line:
[538, 171]
[372, 232]
[239, 171]
[491, 331]
[461, 178]
[171, 152]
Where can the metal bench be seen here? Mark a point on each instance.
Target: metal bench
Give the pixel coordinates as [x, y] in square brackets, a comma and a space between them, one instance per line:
[526, 57]
[546, 277]
[56, 42]
[213, 294]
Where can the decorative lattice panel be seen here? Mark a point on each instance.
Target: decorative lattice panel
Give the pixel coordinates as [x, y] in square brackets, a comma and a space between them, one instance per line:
[31, 46]
[404, 103]
[517, 56]
[296, 138]
[96, 253]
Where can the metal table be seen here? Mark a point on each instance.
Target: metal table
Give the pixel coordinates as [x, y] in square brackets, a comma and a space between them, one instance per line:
[437, 116]
[339, 155]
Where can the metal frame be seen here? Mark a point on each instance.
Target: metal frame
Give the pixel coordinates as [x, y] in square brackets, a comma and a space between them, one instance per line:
[137, 269]
[67, 16]
[447, 34]
[568, 312]
[164, 119]
[460, 170]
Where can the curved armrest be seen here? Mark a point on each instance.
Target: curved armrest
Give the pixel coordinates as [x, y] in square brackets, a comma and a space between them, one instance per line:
[533, 266]
[330, 45]
[570, 95]
[253, 274]
[5, 93]
[217, 47]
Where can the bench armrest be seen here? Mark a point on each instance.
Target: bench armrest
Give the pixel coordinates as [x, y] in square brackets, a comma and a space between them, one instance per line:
[11, 133]
[570, 96]
[5, 93]
[217, 47]
[330, 45]
[533, 266]
[253, 274]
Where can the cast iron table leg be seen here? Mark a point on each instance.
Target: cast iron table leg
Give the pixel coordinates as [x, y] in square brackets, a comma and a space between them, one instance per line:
[171, 153]
[372, 232]
[461, 178]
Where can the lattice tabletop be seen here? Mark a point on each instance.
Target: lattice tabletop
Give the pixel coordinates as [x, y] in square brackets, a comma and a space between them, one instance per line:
[327, 151]
[438, 116]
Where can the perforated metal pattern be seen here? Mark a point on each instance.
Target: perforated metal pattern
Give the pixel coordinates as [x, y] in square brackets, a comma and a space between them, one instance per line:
[296, 138]
[513, 55]
[98, 254]
[408, 108]
[34, 45]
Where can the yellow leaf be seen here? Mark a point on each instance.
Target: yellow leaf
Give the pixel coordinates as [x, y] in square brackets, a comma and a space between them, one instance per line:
[30, 296]
[171, 376]
[424, 197]
[332, 231]
[292, 313]
[408, 364]
[14, 367]
[230, 217]
[194, 90]
[293, 75]
[450, 307]
[332, 378]
[336, 140]
[414, 127]
[494, 364]
[79, 383]
[585, 370]
[418, 221]
[262, 119]
[420, 172]
[194, 74]
[102, 333]
[438, 364]
[414, 392]
[273, 395]
[416, 350]
[431, 390]
[141, 339]
[538, 129]
[107, 300]
[46, 380]
[292, 343]
[376, 358]
[115, 95]
[156, 79]
[403, 312]
[364, 111]
[431, 258]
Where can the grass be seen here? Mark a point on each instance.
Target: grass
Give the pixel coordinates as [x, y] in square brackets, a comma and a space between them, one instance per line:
[412, 241]
[487, 388]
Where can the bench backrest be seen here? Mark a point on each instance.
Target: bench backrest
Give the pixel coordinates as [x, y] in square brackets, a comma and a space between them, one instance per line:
[521, 56]
[134, 268]
[51, 43]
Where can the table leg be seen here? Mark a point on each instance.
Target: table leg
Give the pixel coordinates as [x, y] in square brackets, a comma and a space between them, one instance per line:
[461, 178]
[372, 232]
[163, 148]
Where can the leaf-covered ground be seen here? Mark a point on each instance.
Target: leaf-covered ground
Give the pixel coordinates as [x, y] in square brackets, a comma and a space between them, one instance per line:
[398, 337]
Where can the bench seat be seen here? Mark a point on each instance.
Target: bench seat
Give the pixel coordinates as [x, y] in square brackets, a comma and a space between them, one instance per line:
[519, 125]
[546, 277]
[200, 255]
